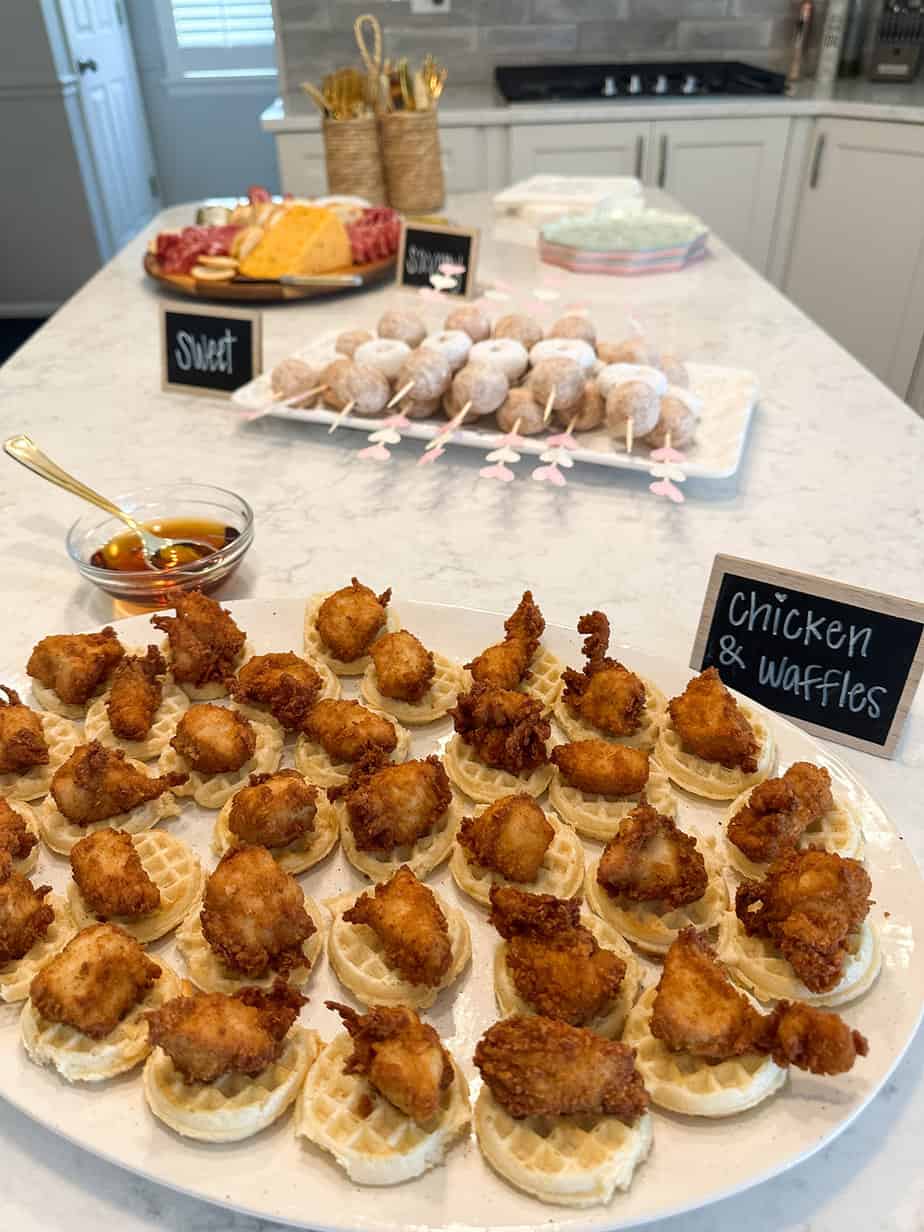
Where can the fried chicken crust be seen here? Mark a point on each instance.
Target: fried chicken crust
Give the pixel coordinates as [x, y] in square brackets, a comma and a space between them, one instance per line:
[22, 738]
[649, 858]
[286, 684]
[710, 724]
[506, 729]
[273, 810]
[15, 836]
[505, 665]
[555, 962]
[135, 694]
[391, 806]
[253, 914]
[110, 876]
[210, 1034]
[511, 836]
[808, 905]
[345, 729]
[699, 1011]
[24, 915]
[599, 767]
[407, 919]
[536, 1066]
[605, 694]
[214, 739]
[204, 640]
[74, 665]
[400, 1056]
[98, 978]
[349, 619]
[780, 810]
[404, 668]
[96, 783]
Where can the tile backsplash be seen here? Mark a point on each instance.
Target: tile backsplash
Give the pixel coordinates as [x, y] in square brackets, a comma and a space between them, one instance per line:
[315, 36]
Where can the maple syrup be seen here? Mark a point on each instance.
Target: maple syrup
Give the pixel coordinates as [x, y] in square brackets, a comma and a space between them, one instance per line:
[124, 554]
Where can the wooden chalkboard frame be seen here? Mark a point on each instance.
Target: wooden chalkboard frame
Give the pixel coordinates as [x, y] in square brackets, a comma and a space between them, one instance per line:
[825, 588]
[471, 233]
[253, 315]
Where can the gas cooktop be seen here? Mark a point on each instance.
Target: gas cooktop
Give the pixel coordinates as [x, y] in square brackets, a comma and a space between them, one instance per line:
[551, 83]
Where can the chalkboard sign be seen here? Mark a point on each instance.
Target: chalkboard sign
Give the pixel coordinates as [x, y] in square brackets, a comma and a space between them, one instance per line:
[425, 248]
[842, 662]
[209, 351]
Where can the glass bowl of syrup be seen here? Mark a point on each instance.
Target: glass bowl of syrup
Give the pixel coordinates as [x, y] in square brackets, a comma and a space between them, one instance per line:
[109, 555]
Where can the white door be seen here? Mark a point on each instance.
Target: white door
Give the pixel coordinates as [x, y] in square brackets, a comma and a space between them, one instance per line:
[116, 127]
[571, 149]
[727, 172]
[855, 261]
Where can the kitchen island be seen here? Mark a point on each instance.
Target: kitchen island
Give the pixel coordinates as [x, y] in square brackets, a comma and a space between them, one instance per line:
[830, 484]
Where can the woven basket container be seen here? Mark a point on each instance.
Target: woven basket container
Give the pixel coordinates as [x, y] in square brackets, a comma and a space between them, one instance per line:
[354, 158]
[413, 163]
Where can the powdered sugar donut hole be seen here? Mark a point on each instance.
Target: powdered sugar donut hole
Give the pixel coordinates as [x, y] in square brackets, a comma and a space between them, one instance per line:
[416, 408]
[574, 326]
[470, 320]
[589, 411]
[575, 349]
[455, 344]
[350, 339]
[559, 379]
[521, 328]
[635, 400]
[521, 410]
[675, 370]
[635, 350]
[427, 372]
[677, 420]
[618, 374]
[405, 326]
[484, 385]
[385, 354]
[292, 376]
[505, 353]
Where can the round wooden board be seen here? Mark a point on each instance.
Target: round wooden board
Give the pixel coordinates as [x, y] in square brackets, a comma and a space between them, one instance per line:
[241, 289]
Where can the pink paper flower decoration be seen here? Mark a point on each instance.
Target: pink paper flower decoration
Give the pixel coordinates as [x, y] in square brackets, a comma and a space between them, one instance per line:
[665, 454]
[427, 459]
[448, 267]
[550, 474]
[562, 440]
[497, 471]
[377, 453]
[664, 487]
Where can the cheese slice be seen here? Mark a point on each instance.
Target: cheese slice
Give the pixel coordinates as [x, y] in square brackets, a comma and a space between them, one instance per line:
[305, 240]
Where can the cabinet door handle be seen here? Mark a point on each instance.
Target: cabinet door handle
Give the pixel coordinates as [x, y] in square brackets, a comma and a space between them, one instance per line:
[639, 156]
[662, 162]
[816, 161]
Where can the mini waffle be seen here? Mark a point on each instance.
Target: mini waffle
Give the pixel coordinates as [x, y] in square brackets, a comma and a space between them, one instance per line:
[840, 830]
[317, 766]
[315, 648]
[171, 708]
[299, 855]
[60, 834]
[62, 737]
[27, 813]
[440, 697]
[708, 778]
[597, 816]
[645, 738]
[421, 857]
[16, 977]
[484, 783]
[215, 688]
[213, 790]
[561, 871]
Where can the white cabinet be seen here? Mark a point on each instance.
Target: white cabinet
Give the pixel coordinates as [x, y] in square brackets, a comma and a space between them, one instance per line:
[727, 172]
[302, 170]
[856, 261]
[577, 149]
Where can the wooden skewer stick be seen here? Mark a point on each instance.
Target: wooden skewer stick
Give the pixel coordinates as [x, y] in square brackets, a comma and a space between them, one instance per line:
[630, 433]
[341, 417]
[400, 394]
[570, 427]
[292, 399]
[667, 441]
[516, 425]
[449, 431]
[547, 413]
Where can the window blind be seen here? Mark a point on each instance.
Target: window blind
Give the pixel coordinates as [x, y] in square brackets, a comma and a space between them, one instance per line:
[223, 23]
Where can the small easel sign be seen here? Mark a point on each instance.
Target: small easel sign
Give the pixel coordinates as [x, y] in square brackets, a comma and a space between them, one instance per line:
[442, 257]
[209, 351]
[842, 662]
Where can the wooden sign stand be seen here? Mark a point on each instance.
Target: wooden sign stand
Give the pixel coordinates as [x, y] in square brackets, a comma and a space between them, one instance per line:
[209, 352]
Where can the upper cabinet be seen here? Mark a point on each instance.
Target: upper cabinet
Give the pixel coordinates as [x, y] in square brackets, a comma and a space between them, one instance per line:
[856, 261]
[578, 149]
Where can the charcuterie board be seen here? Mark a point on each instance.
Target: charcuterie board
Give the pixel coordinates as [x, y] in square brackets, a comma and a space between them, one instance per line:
[270, 291]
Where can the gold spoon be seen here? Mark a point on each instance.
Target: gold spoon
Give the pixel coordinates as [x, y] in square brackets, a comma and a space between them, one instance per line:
[159, 553]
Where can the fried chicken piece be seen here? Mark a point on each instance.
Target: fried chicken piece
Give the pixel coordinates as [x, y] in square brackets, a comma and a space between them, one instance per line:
[511, 836]
[539, 1067]
[400, 1056]
[808, 905]
[600, 767]
[698, 1010]
[286, 684]
[74, 665]
[15, 836]
[253, 914]
[98, 978]
[780, 810]
[407, 919]
[96, 783]
[210, 1034]
[649, 858]
[404, 668]
[505, 664]
[506, 729]
[710, 724]
[345, 730]
[110, 876]
[204, 640]
[135, 694]
[214, 739]
[393, 806]
[24, 915]
[22, 738]
[349, 619]
[273, 810]
[605, 694]
[555, 962]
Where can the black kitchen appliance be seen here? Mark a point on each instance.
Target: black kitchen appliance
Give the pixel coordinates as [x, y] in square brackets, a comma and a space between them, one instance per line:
[899, 41]
[550, 83]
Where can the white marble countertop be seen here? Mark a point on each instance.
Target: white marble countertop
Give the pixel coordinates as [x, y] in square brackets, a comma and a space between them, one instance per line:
[831, 484]
[464, 105]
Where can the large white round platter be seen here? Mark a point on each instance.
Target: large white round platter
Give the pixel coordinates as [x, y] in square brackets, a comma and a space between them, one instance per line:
[693, 1162]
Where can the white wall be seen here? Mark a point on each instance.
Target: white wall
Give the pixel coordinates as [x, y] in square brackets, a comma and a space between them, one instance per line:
[207, 136]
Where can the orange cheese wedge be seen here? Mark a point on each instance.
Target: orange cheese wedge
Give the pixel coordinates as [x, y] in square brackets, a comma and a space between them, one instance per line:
[305, 240]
